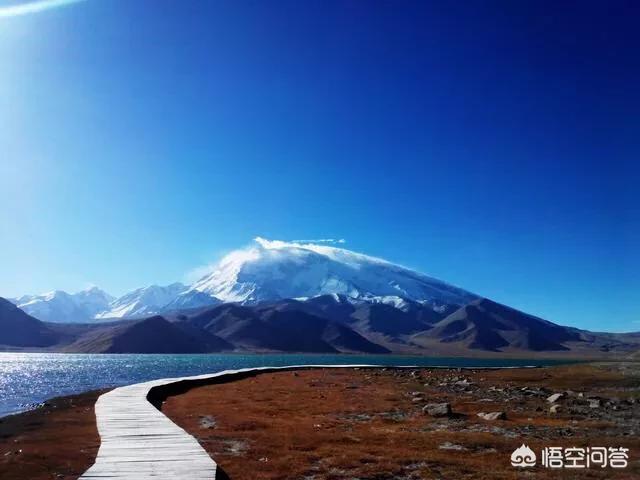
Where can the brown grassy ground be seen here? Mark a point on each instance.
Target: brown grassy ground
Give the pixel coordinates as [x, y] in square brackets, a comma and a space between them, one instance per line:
[364, 424]
[358, 424]
[58, 441]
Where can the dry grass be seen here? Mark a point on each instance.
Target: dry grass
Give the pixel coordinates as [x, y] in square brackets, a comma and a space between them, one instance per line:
[363, 424]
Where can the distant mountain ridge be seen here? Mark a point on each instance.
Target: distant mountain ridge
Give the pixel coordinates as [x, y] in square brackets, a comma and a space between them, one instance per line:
[143, 301]
[289, 297]
[62, 307]
[17, 329]
[265, 271]
[324, 324]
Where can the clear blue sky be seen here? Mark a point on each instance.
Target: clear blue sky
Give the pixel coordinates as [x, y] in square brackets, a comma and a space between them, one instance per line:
[494, 145]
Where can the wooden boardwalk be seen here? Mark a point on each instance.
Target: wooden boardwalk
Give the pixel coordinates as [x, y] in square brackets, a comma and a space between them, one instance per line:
[139, 442]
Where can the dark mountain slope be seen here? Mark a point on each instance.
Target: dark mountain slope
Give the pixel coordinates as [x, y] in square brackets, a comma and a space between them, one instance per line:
[303, 326]
[388, 320]
[17, 329]
[281, 328]
[326, 324]
[487, 325]
[376, 317]
[151, 335]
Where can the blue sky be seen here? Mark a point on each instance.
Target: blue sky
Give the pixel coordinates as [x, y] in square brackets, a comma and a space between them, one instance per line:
[491, 144]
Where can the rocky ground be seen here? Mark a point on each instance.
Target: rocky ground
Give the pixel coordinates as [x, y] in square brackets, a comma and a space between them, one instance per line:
[413, 424]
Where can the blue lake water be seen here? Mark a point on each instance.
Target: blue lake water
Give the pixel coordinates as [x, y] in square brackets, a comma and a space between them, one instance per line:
[27, 379]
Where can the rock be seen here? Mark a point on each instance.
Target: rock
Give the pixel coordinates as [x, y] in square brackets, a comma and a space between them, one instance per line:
[437, 409]
[416, 394]
[493, 416]
[556, 408]
[594, 403]
[207, 421]
[417, 399]
[555, 397]
[463, 383]
[451, 446]
[532, 392]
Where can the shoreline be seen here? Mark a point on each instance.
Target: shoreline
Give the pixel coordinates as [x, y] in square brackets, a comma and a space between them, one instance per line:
[25, 424]
[58, 440]
[113, 370]
[482, 355]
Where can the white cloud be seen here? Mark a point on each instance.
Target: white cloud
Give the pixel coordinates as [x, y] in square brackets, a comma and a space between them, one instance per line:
[197, 273]
[27, 8]
[322, 240]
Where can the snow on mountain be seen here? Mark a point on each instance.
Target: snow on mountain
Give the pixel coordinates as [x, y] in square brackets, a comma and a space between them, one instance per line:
[392, 300]
[191, 299]
[62, 307]
[272, 270]
[265, 271]
[93, 300]
[143, 301]
[94, 304]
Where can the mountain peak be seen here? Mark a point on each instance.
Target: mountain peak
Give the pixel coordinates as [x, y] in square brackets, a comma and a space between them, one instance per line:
[337, 253]
[275, 269]
[92, 289]
[143, 301]
[60, 306]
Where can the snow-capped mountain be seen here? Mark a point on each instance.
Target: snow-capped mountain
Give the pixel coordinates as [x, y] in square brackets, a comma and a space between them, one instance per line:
[62, 307]
[272, 270]
[265, 271]
[93, 300]
[296, 297]
[143, 301]
[191, 299]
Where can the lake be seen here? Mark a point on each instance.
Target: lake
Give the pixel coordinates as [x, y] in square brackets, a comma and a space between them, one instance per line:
[27, 379]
